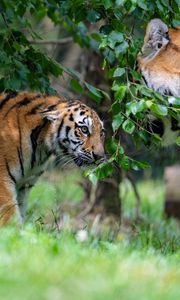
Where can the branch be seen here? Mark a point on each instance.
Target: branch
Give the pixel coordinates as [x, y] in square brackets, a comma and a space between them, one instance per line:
[52, 42]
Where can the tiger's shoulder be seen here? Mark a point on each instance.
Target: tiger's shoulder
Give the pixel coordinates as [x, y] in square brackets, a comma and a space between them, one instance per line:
[31, 101]
[159, 59]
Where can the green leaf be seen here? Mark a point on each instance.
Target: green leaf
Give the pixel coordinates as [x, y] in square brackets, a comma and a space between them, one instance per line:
[114, 38]
[139, 165]
[117, 121]
[104, 170]
[93, 16]
[74, 84]
[119, 72]
[13, 83]
[178, 141]
[178, 2]
[146, 92]
[94, 93]
[71, 72]
[105, 29]
[158, 109]
[135, 107]
[123, 161]
[92, 177]
[144, 136]
[107, 4]
[112, 145]
[121, 48]
[120, 92]
[55, 69]
[174, 101]
[135, 75]
[128, 126]
[149, 103]
[176, 22]
[16, 46]
[142, 4]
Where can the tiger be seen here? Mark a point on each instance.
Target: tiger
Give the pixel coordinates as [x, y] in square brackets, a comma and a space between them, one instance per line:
[33, 127]
[159, 65]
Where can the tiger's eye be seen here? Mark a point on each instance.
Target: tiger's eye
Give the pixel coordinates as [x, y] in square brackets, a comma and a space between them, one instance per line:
[84, 129]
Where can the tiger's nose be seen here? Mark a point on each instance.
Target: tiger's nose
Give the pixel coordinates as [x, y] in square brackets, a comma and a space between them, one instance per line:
[99, 154]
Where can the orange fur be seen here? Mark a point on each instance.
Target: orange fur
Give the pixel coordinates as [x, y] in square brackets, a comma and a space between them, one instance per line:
[32, 128]
[159, 60]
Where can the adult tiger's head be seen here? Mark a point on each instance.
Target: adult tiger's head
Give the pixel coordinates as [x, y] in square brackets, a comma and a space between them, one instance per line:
[159, 65]
[77, 132]
[159, 58]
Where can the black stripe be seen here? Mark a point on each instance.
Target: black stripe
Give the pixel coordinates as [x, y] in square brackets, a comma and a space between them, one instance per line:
[34, 109]
[20, 161]
[84, 119]
[22, 102]
[71, 118]
[145, 81]
[74, 149]
[75, 142]
[51, 107]
[65, 151]
[59, 129]
[7, 98]
[67, 130]
[65, 140]
[71, 103]
[77, 134]
[34, 137]
[82, 113]
[20, 152]
[9, 173]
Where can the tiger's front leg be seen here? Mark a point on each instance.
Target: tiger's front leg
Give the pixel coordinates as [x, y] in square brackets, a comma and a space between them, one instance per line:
[8, 203]
[22, 195]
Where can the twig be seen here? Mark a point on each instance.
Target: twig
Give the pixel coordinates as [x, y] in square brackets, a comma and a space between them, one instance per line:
[138, 198]
[52, 42]
[55, 220]
[91, 204]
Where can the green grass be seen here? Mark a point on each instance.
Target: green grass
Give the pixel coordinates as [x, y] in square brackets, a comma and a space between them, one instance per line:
[142, 263]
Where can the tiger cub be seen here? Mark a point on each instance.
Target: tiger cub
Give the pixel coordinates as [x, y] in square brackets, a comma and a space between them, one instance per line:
[32, 128]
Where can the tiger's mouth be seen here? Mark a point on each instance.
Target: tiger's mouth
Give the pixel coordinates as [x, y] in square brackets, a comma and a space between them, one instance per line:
[82, 161]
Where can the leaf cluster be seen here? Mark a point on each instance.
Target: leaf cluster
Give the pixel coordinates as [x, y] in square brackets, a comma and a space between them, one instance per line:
[118, 27]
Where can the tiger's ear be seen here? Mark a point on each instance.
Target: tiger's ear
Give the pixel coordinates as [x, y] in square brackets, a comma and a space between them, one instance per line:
[156, 33]
[51, 115]
[155, 38]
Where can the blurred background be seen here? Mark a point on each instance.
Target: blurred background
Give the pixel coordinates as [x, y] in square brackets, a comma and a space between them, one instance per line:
[66, 198]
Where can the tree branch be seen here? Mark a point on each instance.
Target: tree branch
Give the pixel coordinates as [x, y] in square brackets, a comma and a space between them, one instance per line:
[52, 42]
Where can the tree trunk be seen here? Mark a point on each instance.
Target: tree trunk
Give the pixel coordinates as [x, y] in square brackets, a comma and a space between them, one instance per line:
[107, 198]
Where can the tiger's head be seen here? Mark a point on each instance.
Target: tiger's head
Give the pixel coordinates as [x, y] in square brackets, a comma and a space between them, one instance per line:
[78, 133]
[159, 65]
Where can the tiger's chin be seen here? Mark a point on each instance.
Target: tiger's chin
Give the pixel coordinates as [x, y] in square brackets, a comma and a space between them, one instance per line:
[85, 164]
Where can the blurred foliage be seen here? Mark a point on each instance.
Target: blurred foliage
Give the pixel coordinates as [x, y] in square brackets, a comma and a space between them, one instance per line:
[108, 27]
